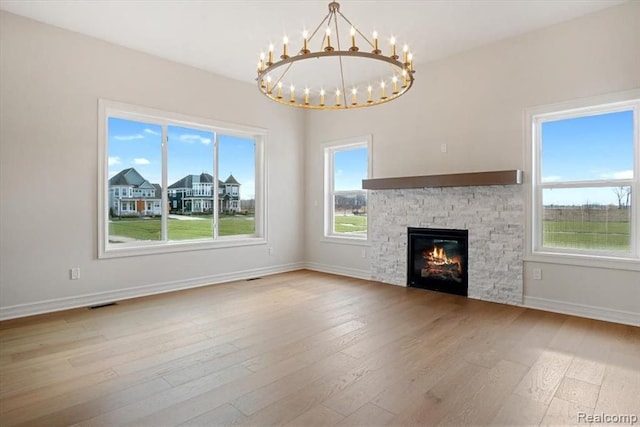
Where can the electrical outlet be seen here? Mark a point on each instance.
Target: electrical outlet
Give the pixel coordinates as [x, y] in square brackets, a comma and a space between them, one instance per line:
[74, 273]
[443, 148]
[270, 251]
[537, 273]
[364, 253]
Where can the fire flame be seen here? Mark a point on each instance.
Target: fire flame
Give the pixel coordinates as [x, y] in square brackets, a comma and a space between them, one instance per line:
[438, 256]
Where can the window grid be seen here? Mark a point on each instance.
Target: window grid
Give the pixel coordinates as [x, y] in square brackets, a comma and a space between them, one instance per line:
[163, 243]
[358, 212]
[630, 183]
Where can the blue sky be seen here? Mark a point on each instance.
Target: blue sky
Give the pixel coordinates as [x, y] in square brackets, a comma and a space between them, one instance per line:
[190, 151]
[588, 148]
[350, 168]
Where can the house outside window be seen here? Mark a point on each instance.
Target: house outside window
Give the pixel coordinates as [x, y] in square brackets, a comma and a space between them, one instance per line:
[168, 164]
[585, 179]
[346, 164]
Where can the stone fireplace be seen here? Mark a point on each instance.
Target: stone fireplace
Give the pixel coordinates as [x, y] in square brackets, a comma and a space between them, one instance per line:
[492, 214]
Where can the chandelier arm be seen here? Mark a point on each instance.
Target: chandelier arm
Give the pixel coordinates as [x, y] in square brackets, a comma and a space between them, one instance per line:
[319, 25]
[357, 30]
[344, 89]
[284, 73]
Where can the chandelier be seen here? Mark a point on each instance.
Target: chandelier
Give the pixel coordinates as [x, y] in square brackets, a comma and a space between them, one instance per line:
[334, 78]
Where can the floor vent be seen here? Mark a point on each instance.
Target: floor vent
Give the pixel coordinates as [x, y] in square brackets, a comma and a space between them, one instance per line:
[254, 278]
[93, 307]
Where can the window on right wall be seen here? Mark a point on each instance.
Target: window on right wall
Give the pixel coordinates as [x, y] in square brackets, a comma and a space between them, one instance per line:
[585, 180]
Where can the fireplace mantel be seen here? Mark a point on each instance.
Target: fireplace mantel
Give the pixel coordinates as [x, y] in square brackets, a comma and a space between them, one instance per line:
[507, 177]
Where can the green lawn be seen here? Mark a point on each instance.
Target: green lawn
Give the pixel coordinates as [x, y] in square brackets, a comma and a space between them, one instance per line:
[350, 224]
[149, 229]
[587, 235]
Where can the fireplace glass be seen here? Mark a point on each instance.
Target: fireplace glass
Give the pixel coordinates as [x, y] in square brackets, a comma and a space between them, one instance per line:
[437, 259]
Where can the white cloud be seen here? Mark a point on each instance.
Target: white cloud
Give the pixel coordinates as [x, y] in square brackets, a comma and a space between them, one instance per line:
[114, 161]
[129, 137]
[152, 132]
[191, 138]
[141, 161]
[552, 178]
[628, 174]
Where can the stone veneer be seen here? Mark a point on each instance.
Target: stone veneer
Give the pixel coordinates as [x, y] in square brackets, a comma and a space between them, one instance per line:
[494, 216]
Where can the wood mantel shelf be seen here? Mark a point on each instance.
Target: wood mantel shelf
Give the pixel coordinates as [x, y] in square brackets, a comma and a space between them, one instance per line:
[508, 177]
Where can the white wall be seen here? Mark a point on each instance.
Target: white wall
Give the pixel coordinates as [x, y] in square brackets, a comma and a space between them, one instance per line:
[474, 102]
[50, 82]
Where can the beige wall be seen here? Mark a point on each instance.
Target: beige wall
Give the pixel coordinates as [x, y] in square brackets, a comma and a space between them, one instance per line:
[50, 82]
[474, 102]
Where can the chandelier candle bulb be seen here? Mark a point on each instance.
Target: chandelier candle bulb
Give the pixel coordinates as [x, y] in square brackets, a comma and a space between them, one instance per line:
[338, 97]
[410, 56]
[404, 79]
[383, 96]
[395, 85]
[375, 43]
[329, 48]
[393, 48]
[305, 42]
[292, 97]
[354, 93]
[353, 47]
[270, 63]
[405, 53]
[369, 95]
[322, 97]
[279, 90]
[285, 50]
[306, 96]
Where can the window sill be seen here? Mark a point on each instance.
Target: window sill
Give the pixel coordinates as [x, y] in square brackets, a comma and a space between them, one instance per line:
[346, 240]
[152, 248]
[608, 262]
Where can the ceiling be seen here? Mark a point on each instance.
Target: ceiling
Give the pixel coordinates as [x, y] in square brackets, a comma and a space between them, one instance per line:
[226, 37]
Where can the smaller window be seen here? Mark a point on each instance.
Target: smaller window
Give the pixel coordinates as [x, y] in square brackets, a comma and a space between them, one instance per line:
[346, 165]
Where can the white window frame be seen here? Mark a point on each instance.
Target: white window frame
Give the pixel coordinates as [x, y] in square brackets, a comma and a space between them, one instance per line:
[107, 109]
[329, 149]
[534, 117]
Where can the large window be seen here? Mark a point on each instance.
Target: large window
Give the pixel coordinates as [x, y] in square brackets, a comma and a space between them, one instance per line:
[585, 180]
[171, 183]
[346, 165]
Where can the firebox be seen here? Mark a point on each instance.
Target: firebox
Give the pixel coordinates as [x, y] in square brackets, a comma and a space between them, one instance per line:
[437, 259]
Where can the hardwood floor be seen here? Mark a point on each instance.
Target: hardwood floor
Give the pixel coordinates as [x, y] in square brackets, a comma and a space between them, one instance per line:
[310, 349]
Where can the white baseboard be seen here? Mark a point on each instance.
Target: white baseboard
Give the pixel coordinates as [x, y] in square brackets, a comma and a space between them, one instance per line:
[23, 310]
[341, 271]
[588, 311]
